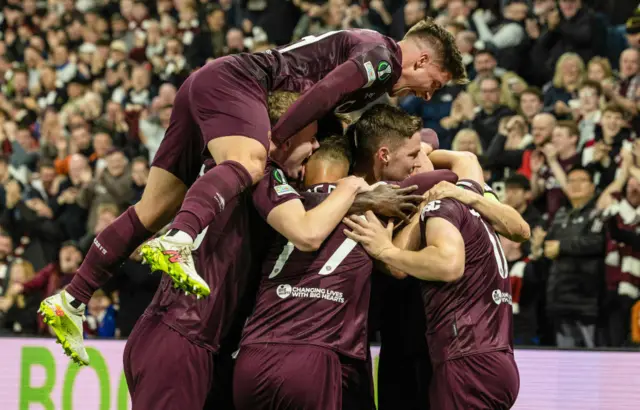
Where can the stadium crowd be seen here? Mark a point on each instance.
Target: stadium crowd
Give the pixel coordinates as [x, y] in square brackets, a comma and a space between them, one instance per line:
[88, 88]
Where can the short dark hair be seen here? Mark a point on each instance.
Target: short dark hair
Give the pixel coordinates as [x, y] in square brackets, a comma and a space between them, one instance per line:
[518, 181]
[613, 107]
[578, 167]
[383, 124]
[570, 125]
[334, 148]
[592, 84]
[142, 159]
[445, 46]
[487, 51]
[46, 163]
[533, 90]
[490, 77]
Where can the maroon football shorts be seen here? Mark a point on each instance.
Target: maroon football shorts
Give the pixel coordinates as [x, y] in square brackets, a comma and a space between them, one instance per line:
[164, 370]
[299, 377]
[475, 382]
[219, 100]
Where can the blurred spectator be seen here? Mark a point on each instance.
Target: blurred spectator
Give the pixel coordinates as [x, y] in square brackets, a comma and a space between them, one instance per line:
[18, 311]
[627, 93]
[602, 154]
[467, 140]
[572, 27]
[434, 111]
[6, 257]
[510, 84]
[587, 111]
[530, 104]
[153, 128]
[30, 222]
[550, 165]
[53, 277]
[622, 271]
[139, 176]
[517, 194]
[504, 155]
[526, 291]
[599, 70]
[541, 129]
[112, 185]
[101, 316]
[633, 30]
[465, 41]
[570, 73]
[487, 119]
[105, 214]
[575, 247]
[508, 36]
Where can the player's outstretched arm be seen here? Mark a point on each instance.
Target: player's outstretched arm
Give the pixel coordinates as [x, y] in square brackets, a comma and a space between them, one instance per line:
[504, 219]
[319, 100]
[308, 229]
[442, 260]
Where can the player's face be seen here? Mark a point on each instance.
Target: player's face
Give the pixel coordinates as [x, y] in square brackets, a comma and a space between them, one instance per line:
[422, 79]
[424, 163]
[403, 160]
[297, 151]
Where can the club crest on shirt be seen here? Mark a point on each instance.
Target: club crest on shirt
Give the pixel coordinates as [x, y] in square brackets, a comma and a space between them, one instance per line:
[371, 73]
[384, 70]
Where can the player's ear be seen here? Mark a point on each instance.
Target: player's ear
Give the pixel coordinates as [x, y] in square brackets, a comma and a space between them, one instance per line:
[383, 155]
[424, 59]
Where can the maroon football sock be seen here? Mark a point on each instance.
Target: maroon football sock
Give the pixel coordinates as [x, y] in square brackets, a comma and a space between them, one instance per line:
[208, 196]
[110, 248]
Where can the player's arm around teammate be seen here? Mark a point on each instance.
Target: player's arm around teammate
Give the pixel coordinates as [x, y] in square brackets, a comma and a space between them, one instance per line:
[441, 260]
[505, 220]
[308, 229]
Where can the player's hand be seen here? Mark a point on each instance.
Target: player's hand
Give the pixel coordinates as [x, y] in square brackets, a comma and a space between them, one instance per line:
[357, 183]
[551, 249]
[388, 200]
[370, 233]
[445, 189]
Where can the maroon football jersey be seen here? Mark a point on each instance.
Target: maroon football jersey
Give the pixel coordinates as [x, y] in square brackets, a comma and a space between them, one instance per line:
[319, 298]
[223, 256]
[472, 314]
[342, 70]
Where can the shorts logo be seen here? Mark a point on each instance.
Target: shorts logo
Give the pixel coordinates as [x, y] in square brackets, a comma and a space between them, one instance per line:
[371, 73]
[501, 297]
[278, 175]
[384, 70]
[284, 291]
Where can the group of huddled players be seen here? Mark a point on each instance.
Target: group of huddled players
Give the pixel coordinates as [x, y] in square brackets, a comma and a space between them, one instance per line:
[278, 268]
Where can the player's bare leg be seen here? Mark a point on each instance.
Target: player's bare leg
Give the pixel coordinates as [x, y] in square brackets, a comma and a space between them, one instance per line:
[64, 311]
[240, 164]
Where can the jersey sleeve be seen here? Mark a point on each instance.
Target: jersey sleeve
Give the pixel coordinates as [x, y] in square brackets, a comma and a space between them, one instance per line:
[361, 70]
[472, 186]
[448, 209]
[374, 63]
[427, 180]
[273, 190]
[318, 100]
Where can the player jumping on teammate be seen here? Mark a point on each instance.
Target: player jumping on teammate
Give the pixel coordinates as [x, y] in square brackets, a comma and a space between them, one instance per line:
[221, 110]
